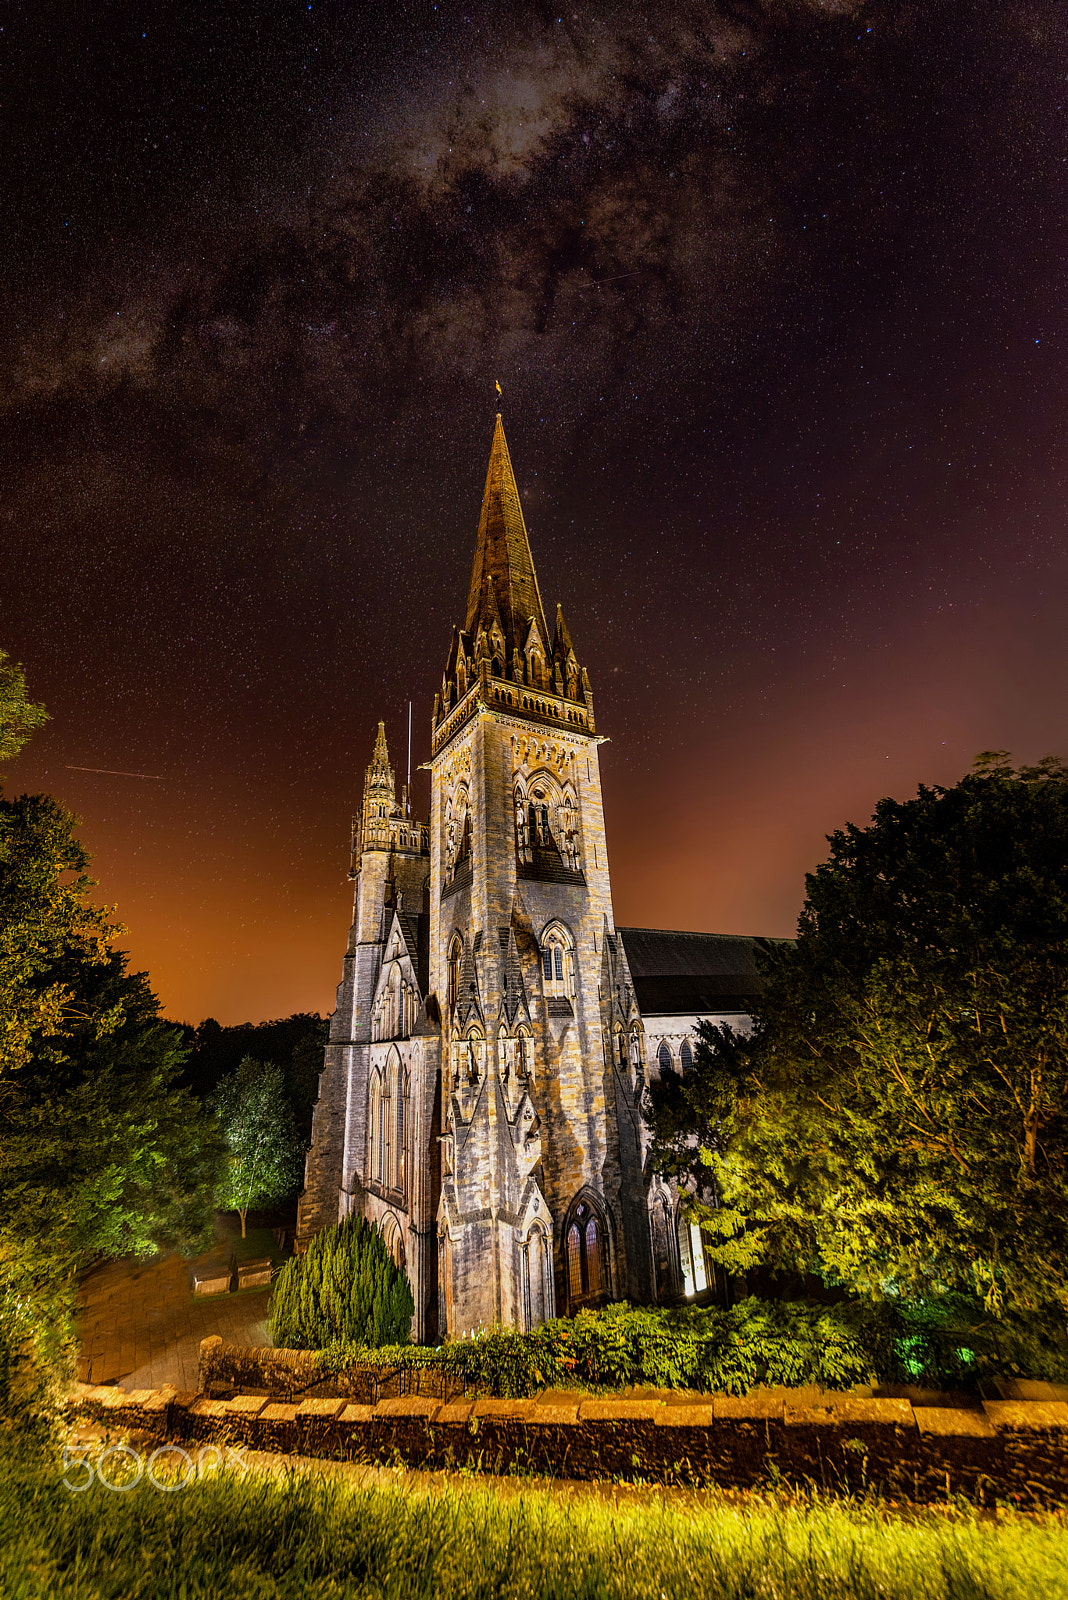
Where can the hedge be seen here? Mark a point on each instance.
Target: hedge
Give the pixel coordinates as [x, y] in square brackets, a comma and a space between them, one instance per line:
[728, 1351]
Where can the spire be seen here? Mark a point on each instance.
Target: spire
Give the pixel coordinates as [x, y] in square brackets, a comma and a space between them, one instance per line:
[502, 554]
[562, 646]
[380, 759]
[379, 796]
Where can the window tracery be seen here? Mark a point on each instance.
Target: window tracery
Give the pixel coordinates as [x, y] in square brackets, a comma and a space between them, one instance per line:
[558, 961]
[586, 1243]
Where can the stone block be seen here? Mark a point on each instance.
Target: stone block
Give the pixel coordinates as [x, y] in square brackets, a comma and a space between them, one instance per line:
[1027, 1415]
[489, 1406]
[555, 1415]
[808, 1416]
[455, 1414]
[684, 1417]
[212, 1278]
[316, 1410]
[623, 1410]
[1027, 1389]
[952, 1422]
[873, 1413]
[203, 1407]
[139, 1397]
[254, 1274]
[356, 1413]
[245, 1405]
[157, 1402]
[111, 1397]
[409, 1406]
[747, 1408]
[278, 1411]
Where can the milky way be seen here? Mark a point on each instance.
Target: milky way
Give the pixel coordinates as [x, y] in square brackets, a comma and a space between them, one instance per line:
[776, 296]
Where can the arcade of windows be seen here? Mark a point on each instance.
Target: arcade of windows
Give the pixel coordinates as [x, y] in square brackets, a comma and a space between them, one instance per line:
[666, 1061]
[389, 1097]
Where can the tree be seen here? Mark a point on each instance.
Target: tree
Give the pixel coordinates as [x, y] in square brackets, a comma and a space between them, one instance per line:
[102, 1152]
[263, 1151]
[295, 1042]
[345, 1289]
[898, 1119]
[19, 716]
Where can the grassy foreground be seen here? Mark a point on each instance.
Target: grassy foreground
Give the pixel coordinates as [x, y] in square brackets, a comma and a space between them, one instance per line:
[310, 1536]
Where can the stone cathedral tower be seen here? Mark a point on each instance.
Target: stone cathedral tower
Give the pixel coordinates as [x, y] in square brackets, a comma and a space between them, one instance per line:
[481, 1092]
[520, 910]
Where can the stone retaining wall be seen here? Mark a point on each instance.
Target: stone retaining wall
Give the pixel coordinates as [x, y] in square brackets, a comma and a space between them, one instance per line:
[1002, 1450]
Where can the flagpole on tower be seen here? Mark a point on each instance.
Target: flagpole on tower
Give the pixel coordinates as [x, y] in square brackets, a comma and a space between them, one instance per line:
[500, 395]
[409, 755]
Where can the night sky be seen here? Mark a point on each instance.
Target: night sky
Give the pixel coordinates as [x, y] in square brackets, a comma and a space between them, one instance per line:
[776, 295]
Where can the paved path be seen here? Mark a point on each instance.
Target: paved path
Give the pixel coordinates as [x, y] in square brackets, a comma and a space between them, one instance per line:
[140, 1327]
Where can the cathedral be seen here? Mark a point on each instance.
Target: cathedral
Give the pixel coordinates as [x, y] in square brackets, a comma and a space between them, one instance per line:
[481, 1093]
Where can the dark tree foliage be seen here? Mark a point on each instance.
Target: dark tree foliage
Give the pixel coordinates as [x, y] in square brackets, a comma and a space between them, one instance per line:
[346, 1290]
[898, 1120]
[296, 1043]
[105, 1154]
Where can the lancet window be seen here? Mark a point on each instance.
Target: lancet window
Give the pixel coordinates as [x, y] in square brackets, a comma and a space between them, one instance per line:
[686, 1056]
[537, 1291]
[586, 1242]
[558, 960]
[456, 961]
[691, 1258]
[664, 1058]
[374, 1128]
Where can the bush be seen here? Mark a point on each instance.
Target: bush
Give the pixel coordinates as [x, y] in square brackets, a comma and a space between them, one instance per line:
[345, 1290]
[37, 1346]
[730, 1351]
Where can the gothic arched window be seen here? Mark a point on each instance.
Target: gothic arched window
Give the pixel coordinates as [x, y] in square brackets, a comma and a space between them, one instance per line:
[374, 1128]
[663, 1057]
[558, 960]
[536, 1277]
[456, 956]
[691, 1257]
[400, 1159]
[386, 1130]
[686, 1056]
[586, 1242]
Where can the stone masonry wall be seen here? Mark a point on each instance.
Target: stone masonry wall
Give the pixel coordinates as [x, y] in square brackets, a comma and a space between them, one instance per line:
[1005, 1450]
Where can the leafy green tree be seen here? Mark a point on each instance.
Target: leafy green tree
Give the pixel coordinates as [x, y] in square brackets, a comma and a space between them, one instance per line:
[295, 1042]
[19, 716]
[345, 1290]
[104, 1153]
[898, 1119]
[101, 1152]
[264, 1154]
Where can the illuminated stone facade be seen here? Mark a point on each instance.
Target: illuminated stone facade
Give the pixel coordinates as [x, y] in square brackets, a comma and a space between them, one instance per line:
[481, 1091]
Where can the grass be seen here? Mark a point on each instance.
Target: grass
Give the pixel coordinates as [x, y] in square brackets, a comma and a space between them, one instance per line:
[308, 1535]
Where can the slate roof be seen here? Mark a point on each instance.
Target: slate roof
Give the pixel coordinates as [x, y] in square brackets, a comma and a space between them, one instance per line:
[687, 973]
[416, 930]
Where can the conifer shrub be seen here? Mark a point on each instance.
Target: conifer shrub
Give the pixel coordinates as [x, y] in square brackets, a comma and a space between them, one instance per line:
[345, 1290]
